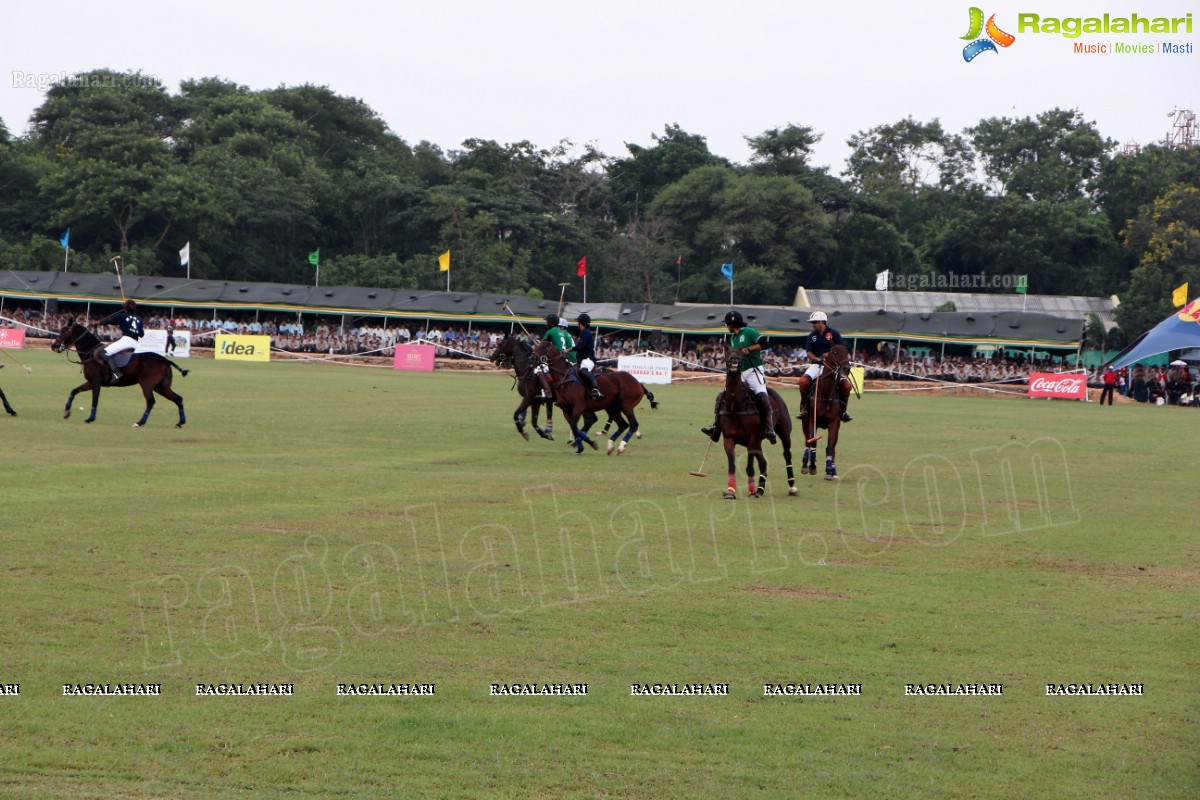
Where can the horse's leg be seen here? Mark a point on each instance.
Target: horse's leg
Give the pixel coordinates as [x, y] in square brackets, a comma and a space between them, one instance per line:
[148, 393]
[753, 452]
[71, 398]
[762, 477]
[7, 407]
[634, 426]
[519, 417]
[95, 401]
[787, 460]
[731, 487]
[166, 391]
[831, 450]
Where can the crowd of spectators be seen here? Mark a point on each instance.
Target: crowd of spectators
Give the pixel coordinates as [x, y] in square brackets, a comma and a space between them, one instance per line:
[337, 336]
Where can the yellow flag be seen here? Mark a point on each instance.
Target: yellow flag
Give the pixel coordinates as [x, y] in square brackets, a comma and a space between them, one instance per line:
[444, 262]
[857, 378]
[1179, 297]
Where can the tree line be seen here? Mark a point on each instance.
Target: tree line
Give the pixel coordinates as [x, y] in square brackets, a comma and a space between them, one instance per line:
[255, 181]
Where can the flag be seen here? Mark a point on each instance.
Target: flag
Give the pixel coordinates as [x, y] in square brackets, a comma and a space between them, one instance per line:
[679, 261]
[65, 241]
[1022, 284]
[185, 255]
[581, 271]
[881, 280]
[314, 257]
[1178, 297]
[1179, 331]
[444, 262]
[727, 271]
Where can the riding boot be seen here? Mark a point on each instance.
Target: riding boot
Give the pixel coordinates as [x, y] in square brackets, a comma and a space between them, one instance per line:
[805, 383]
[590, 380]
[714, 431]
[767, 411]
[845, 390]
[544, 382]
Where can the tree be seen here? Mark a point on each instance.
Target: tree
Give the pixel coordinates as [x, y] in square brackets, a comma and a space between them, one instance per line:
[782, 151]
[638, 179]
[1051, 158]
[1167, 236]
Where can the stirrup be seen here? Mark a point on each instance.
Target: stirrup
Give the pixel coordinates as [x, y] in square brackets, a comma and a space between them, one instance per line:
[846, 416]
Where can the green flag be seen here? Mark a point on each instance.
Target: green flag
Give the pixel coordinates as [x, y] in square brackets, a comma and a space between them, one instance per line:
[1022, 284]
[314, 257]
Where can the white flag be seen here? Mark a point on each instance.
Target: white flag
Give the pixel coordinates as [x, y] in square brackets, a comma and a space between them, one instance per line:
[185, 255]
[881, 280]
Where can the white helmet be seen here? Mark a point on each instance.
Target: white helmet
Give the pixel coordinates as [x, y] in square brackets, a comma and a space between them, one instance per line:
[818, 316]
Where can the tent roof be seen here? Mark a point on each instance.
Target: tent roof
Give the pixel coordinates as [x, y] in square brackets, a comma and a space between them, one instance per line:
[1013, 327]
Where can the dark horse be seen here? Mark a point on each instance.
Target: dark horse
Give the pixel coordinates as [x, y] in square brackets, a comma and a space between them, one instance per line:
[518, 354]
[740, 424]
[622, 392]
[825, 411]
[149, 370]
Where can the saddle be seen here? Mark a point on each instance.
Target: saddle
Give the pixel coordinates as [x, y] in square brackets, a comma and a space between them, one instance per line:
[120, 361]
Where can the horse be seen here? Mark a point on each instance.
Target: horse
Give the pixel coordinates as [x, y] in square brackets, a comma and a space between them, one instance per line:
[825, 411]
[151, 371]
[741, 425]
[622, 392]
[517, 354]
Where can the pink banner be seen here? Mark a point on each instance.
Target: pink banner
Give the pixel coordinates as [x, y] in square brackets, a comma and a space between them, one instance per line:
[1065, 386]
[12, 338]
[418, 357]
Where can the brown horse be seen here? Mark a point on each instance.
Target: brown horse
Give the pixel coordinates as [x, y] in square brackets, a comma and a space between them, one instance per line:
[149, 370]
[622, 392]
[517, 354]
[825, 411]
[741, 425]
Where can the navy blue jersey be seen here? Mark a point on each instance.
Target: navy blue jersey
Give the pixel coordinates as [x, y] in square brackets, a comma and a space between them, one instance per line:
[585, 345]
[130, 324]
[818, 344]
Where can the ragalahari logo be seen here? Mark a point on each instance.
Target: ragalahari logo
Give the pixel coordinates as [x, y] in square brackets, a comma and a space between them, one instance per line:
[995, 36]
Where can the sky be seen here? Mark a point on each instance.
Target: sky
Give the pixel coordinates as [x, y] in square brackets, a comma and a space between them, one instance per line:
[619, 71]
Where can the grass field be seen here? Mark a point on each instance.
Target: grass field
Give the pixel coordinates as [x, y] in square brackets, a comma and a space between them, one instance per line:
[321, 525]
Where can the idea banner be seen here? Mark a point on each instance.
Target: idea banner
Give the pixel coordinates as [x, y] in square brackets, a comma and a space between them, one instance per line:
[414, 357]
[1065, 386]
[12, 338]
[235, 347]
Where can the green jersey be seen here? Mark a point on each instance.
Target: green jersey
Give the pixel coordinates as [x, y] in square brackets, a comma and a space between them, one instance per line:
[745, 338]
[563, 341]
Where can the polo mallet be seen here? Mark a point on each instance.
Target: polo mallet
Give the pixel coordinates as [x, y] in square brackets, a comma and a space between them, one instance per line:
[14, 358]
[116, 262]
[562, 293]
[518, 319]
[700, 473]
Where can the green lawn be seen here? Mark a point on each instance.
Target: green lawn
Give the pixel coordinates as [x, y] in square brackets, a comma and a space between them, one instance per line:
[317, 524]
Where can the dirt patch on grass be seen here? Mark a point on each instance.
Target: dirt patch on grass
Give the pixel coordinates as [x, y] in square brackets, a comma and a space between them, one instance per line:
[275, 528]
[786, 592]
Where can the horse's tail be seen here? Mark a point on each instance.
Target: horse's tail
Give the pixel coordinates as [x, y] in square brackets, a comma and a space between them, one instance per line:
[649, 396]
[182, 371]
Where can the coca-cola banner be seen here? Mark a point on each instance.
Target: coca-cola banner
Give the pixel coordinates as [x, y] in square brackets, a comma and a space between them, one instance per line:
[1067, 386]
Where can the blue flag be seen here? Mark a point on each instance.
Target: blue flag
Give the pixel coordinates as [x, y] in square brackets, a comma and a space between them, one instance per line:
[727, 271]
[65, 239]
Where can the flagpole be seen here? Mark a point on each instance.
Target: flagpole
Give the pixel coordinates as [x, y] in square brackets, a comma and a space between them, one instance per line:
[66, 257]
[585, 288]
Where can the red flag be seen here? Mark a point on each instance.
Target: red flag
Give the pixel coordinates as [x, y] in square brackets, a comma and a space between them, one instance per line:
[679, 261]
[582, 271]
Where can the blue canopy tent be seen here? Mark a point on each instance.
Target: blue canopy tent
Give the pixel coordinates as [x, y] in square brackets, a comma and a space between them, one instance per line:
[1180, 331]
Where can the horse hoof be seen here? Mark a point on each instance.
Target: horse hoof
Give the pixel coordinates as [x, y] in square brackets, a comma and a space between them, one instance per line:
[833, 477]
[793, 491]
[178, 424]
[523, 433]
[137, 424]
[730, 495]
[609, 450]
[760, 491]
[593, 444]
[638, 434]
